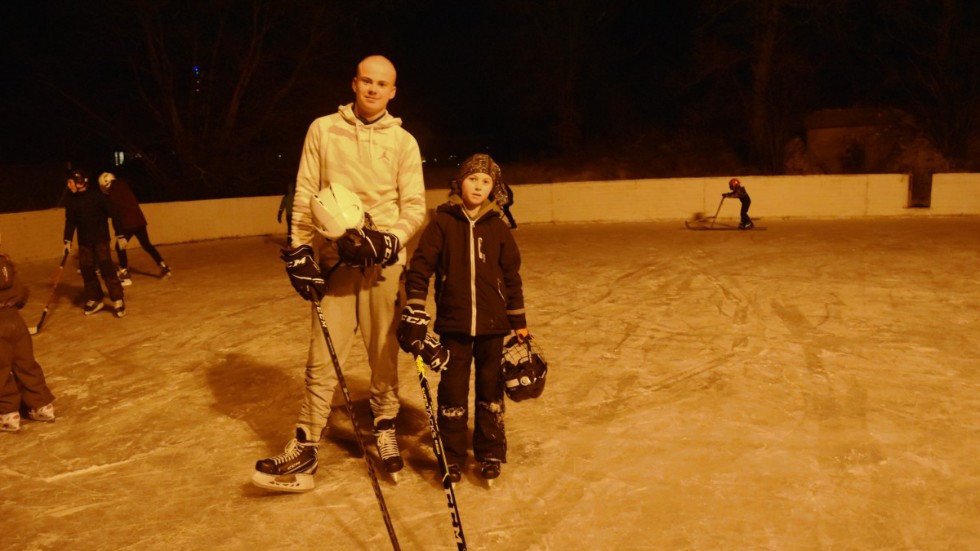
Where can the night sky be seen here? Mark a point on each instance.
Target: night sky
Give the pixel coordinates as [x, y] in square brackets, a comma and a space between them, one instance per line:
[218, 97]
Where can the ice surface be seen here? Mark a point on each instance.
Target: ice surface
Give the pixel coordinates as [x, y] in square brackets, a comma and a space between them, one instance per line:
[814, 386]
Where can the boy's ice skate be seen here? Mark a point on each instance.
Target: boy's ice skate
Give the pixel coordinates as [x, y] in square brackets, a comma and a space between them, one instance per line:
[490, 470]
[391, 458]
[45, 414]
[120, 308]
[10, 422]
[455, 474]
[165, 270]
[124, 278]
[290, 471]
[93, 306]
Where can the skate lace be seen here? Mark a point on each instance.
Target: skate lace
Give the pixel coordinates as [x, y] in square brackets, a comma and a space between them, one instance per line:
[291, 452]
[387, 444]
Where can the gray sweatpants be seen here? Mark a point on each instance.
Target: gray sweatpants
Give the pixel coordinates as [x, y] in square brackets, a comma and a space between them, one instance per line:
[365, 299]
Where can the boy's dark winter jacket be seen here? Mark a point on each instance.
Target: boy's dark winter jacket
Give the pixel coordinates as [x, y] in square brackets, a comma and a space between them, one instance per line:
[87, 211]
[478, 289]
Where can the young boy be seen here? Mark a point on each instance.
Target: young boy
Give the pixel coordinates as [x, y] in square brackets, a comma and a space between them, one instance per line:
[88, 212]
[743, 196]
[479, 300]
[21, 379]
[128, 221]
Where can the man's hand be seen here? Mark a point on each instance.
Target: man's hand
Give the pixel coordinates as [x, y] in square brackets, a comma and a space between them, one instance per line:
[366, 247]
[303, 271]
[67, 247]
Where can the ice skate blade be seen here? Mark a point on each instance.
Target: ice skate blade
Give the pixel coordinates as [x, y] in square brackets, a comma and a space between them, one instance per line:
[394, 477]
[294, 483]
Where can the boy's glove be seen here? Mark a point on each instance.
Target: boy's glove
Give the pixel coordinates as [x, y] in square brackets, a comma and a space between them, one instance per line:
[67, 248]
[433, 354]
[303, 271]
[412, 329]
[366, 247]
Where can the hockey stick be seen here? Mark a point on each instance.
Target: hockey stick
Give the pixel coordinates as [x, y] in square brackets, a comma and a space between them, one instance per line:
[353, 420]
[447, 484]
[54, 287]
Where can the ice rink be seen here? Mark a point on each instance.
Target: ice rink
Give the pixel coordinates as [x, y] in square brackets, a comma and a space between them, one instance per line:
[812, 386]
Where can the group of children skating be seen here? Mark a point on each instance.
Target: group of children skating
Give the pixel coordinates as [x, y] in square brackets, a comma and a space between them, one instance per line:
[23, 390]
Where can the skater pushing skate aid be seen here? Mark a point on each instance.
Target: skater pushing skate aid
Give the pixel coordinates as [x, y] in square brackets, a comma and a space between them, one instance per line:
[359, 159]
[469, 248]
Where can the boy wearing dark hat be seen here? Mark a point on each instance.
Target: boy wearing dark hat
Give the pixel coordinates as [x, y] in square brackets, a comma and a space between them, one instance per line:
[469, 247]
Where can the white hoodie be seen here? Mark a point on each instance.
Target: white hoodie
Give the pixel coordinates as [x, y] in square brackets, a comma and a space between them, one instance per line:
[379, 162]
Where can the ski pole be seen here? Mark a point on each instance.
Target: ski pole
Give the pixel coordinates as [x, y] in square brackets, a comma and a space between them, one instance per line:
[54, 287]
[447, 484]
[353, 420]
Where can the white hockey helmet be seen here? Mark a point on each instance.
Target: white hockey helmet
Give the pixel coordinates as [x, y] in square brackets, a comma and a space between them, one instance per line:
[106, 180]
[335, 210]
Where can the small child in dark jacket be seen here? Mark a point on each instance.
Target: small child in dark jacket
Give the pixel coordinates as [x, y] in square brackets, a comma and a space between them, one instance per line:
[479, 299]
[22, 382]
[739, 192]
[88, 212]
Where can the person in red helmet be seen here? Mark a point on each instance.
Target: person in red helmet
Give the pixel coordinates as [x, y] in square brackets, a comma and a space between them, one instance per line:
[738, 191]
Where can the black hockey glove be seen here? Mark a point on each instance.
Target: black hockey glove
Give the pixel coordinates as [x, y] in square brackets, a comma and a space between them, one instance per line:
[412, 329]
[367, 247]
[303, 271]
[433, 354]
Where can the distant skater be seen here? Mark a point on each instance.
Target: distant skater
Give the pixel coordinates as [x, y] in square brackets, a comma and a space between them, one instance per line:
[87, 212]
[128, 222]
[738, 191]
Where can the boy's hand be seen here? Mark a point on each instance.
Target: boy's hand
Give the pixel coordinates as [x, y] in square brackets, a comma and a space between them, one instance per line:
[434, 354]
[412, 329]
[67, 248]
[522, 334]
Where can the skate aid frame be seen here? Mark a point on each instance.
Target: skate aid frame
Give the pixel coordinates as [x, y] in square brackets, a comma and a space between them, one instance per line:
[715, 217]
[447, 484]
[353, 419]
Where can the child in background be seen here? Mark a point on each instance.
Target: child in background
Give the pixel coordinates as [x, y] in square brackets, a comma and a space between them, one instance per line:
[742, 195]
[479, 301]
[22, 382]
[88, 212]
[128, 221]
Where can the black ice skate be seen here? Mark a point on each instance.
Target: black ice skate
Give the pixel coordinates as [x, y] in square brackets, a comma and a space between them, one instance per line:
[455, 474]
[490, 470]
[391, 458]
[290, 471]
[165, 270]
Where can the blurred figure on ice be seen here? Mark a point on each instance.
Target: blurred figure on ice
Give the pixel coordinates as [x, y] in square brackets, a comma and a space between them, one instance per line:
[365, 151]
[128, 221]
[88, 212]
[22, 384]
[469, 248]
[738, 191]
